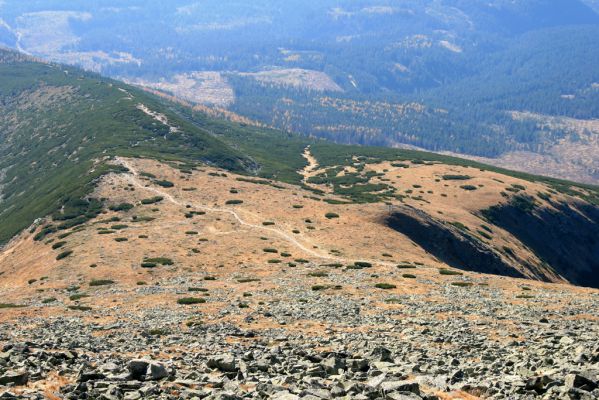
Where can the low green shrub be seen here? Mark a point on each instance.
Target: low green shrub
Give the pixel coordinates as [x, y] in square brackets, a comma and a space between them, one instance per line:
[409, 276]
[331, 215]
[462, 284]
[451, 177]
[11, 305]
[158, 332]
[385, 286]
[406, 266]
[484, 234]
[121, 207]
[148, 264]
[445, 271]
[101, 282]
[233, 202]
[247, 280]
[79, 308]
[119, 227]
[160, 260]
[190, 300]
[152, 200]
[58, 245]
[165, 184]
[363, 264]
[64, 254]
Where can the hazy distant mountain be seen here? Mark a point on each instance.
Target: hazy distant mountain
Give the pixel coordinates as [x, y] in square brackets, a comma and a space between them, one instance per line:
[444, 75]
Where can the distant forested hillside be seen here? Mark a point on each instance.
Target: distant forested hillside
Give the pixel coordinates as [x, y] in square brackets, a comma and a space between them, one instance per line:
[444, 75]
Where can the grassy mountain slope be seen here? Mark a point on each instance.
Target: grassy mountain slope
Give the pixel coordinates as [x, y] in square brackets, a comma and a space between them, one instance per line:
[61, 129]
[57, 124]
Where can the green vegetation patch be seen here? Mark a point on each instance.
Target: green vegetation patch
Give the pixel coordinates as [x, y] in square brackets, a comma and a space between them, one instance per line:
[385, 286]
[79, 308]
[101, 282]
[64, 254]
[121, 207]
[159, 260]
[462, 284]
[456, 177]
[152, 200]
[165, 184]
[10, 305]
[191, 300]
[444, 271]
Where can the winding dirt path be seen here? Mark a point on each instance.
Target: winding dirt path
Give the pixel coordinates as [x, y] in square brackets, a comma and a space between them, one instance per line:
[133, 175]
[311, 170]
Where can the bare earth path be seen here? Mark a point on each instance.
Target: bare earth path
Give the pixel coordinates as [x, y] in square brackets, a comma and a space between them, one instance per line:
[132, 177]
[311, 169]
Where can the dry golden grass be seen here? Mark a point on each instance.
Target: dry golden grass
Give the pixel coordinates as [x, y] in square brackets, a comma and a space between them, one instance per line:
[230, 246]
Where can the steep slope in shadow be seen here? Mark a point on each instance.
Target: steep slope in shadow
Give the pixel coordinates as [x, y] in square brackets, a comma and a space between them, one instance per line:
[449, 244]
[565, 236]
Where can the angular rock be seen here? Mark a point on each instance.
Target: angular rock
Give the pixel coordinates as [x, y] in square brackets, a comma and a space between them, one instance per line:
[381, 354]
[223, 363]
[400, 386]
[138, 368]
[576, 381]
[18, 378]
[156, 371]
